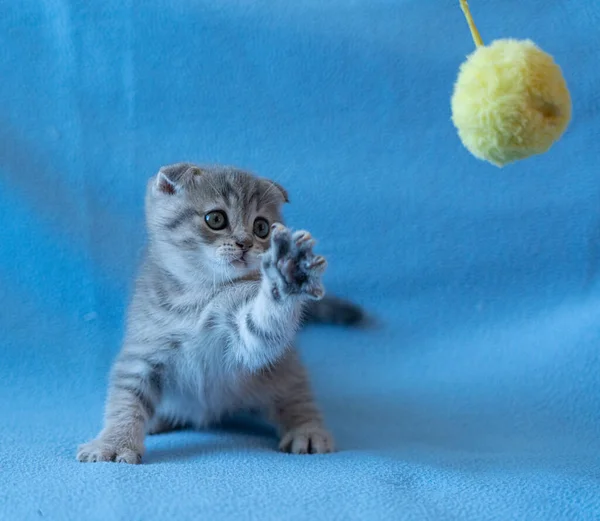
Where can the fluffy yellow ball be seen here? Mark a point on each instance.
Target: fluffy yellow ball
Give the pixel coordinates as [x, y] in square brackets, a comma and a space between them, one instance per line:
[510, 100]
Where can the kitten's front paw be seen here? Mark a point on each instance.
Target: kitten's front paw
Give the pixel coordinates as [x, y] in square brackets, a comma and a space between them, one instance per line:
[291, 264]
[307, 439]
[99, 450]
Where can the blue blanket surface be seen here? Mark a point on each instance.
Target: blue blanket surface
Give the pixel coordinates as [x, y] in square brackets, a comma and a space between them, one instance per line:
[477, 394]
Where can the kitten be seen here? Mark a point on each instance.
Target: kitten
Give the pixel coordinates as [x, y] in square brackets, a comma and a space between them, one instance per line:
[210, 328]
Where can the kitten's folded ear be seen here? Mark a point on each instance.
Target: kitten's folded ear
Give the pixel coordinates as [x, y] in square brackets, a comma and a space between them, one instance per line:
[284, 193]
[273, 188]
[171, 179]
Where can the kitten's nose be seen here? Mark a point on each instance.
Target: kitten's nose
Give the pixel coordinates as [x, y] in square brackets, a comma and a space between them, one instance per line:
[244, 243]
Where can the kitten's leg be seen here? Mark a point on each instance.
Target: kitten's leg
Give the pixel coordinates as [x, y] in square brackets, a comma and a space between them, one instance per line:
[291, 274]
[161, 425]
[133, 393]
[295, 411]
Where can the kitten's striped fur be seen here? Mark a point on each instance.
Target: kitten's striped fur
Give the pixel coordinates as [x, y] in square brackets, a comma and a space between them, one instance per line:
[213, 317]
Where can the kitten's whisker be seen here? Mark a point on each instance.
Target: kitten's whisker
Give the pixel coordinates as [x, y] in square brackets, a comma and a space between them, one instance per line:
[209, 181]
[269, 190]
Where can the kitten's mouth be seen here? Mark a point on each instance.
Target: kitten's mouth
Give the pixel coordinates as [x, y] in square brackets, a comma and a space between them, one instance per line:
[241, 261]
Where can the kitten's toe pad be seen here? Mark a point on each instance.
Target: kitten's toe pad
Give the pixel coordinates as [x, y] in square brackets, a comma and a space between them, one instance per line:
[317, 264]
[99, 450]
[280, 240]
[307, 439]
[303, 240]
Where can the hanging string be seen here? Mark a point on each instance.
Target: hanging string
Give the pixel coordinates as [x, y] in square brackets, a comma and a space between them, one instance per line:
[474, 32]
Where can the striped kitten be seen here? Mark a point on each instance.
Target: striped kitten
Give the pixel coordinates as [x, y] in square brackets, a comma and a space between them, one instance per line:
[216, 306]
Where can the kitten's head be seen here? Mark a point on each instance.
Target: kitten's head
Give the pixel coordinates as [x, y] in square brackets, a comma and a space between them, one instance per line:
[216, 220]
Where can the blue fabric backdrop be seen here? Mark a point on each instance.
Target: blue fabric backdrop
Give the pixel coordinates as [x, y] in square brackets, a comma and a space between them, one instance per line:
[476, 398]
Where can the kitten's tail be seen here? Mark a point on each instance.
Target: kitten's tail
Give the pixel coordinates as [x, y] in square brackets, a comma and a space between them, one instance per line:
[334, 310]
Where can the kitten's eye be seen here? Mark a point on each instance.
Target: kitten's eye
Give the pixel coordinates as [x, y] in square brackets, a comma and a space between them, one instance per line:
[216, 220]
[261, 227]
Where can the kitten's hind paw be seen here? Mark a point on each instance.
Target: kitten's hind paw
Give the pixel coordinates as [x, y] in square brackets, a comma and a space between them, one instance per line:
[99, 450]
[307, 439]
[291, 264]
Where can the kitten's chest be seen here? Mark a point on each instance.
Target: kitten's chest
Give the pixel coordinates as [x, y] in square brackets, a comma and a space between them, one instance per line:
[197, 383]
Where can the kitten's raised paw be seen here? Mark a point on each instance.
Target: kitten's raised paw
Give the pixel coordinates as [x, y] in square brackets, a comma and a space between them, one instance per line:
[291, 264]
[307, 439]
[99, 450]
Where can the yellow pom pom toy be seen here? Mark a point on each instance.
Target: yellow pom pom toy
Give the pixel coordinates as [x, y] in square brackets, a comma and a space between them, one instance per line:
[510, 100]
